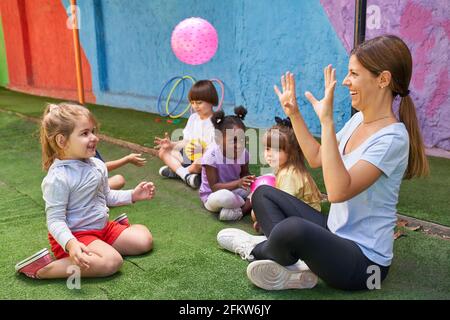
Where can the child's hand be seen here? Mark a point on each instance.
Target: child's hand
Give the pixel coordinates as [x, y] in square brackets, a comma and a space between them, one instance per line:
[194, 148]
[78, 253]
[288, 97]
[144, 191]
[163, 143]
[324, 107]
[246, 181]
[135, 158]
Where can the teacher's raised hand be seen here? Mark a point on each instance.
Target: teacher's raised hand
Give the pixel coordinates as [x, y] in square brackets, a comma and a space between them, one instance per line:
[287, 96]
[324, 107]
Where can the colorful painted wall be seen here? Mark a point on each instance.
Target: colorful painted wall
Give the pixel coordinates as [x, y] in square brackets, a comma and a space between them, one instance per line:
[39, 49]
[127, 55]
[425, 26]
[3, 64]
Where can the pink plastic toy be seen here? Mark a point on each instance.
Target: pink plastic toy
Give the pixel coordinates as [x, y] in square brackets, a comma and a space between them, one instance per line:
[194, 41]
[267, 179]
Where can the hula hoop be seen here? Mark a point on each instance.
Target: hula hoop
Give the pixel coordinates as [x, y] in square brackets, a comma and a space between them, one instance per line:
[158, 106]
[169, 113]
[223, 92]
[170, 94]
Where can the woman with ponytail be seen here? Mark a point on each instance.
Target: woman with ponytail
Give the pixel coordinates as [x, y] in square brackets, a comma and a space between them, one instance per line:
[363, 166]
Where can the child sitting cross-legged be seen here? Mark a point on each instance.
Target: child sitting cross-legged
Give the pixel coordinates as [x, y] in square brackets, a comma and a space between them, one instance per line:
[77, 196]
[183, 158]
[225, 174]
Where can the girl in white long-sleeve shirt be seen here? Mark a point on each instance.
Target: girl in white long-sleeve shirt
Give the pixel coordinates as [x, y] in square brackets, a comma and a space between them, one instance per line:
[77, 197]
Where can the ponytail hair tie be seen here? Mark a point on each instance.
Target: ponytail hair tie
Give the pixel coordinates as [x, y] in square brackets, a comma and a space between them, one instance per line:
[218, 120]
[405, 94]
[284, 122]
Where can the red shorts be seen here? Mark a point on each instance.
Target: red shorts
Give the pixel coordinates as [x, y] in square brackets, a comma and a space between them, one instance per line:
[108, 234]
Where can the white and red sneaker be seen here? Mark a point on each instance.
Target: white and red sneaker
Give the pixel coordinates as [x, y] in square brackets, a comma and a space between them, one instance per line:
[122, 219]
[31, 265]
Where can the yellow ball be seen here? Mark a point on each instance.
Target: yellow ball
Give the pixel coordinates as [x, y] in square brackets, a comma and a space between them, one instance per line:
[194, 149]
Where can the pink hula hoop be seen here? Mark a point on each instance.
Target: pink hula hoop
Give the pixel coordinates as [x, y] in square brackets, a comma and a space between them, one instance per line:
[219, 106]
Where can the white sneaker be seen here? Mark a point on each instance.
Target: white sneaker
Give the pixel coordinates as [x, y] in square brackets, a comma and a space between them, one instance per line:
[269, 275]
[230, 214]
[238, 241]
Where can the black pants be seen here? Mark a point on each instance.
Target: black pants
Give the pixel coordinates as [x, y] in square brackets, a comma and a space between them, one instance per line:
[297, 231]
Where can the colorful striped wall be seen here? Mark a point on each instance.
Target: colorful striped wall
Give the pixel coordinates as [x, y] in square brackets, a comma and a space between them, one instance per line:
[127, 55]
[4, 80]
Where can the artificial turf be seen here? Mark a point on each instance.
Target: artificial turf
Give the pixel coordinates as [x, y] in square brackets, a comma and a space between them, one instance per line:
[425, 199]
[186, 262]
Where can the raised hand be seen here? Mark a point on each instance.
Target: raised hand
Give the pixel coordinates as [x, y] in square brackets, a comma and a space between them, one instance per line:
[135, 158]
[143, 191]
[287, 97]
[324, 107]
[163, 143]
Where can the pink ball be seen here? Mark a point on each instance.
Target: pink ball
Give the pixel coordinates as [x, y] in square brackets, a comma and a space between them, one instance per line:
[194, 41]
[267, 179]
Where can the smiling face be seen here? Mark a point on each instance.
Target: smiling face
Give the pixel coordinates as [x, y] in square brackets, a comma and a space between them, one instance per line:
[202, 108]
[363, 85]
[82, 142]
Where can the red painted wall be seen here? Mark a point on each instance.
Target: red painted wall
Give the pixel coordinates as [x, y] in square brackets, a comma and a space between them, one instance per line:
[39, 49]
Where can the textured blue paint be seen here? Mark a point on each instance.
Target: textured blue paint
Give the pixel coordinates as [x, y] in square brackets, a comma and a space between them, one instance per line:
[128, 47]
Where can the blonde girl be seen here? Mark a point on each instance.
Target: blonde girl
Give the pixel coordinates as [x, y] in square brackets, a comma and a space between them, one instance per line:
[77, 197]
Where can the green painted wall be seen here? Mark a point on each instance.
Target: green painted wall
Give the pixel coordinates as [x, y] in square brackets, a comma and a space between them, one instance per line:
[3, 64]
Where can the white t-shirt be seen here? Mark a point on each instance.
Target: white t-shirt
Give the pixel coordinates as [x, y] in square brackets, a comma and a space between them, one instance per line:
[369, 218]
[199, 129]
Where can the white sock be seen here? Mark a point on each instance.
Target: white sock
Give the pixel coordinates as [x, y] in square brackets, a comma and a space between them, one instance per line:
[182, 172]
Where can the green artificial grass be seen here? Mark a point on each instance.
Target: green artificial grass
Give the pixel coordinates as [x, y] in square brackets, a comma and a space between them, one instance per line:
[186, 262]
[425, 199]
[131, 125]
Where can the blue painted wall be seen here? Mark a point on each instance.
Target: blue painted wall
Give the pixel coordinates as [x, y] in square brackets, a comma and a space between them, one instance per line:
[128, 47]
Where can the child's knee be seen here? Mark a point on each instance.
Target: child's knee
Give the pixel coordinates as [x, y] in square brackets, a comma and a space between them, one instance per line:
[144, 242]
[112, 264]
[225, 198]
[107, 264]
[116, 182]
[120, 180]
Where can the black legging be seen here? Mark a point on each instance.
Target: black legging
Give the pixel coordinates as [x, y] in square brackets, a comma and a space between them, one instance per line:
[297, 231]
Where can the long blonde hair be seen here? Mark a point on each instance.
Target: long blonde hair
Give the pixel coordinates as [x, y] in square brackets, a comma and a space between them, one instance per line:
[390, 53]
[59, 119]
[286, 141]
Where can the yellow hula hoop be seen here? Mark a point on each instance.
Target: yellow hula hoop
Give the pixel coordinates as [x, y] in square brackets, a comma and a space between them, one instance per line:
[170, 94]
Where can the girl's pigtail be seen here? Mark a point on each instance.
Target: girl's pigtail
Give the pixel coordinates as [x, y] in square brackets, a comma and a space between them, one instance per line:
[240, 112]
[217, 119]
